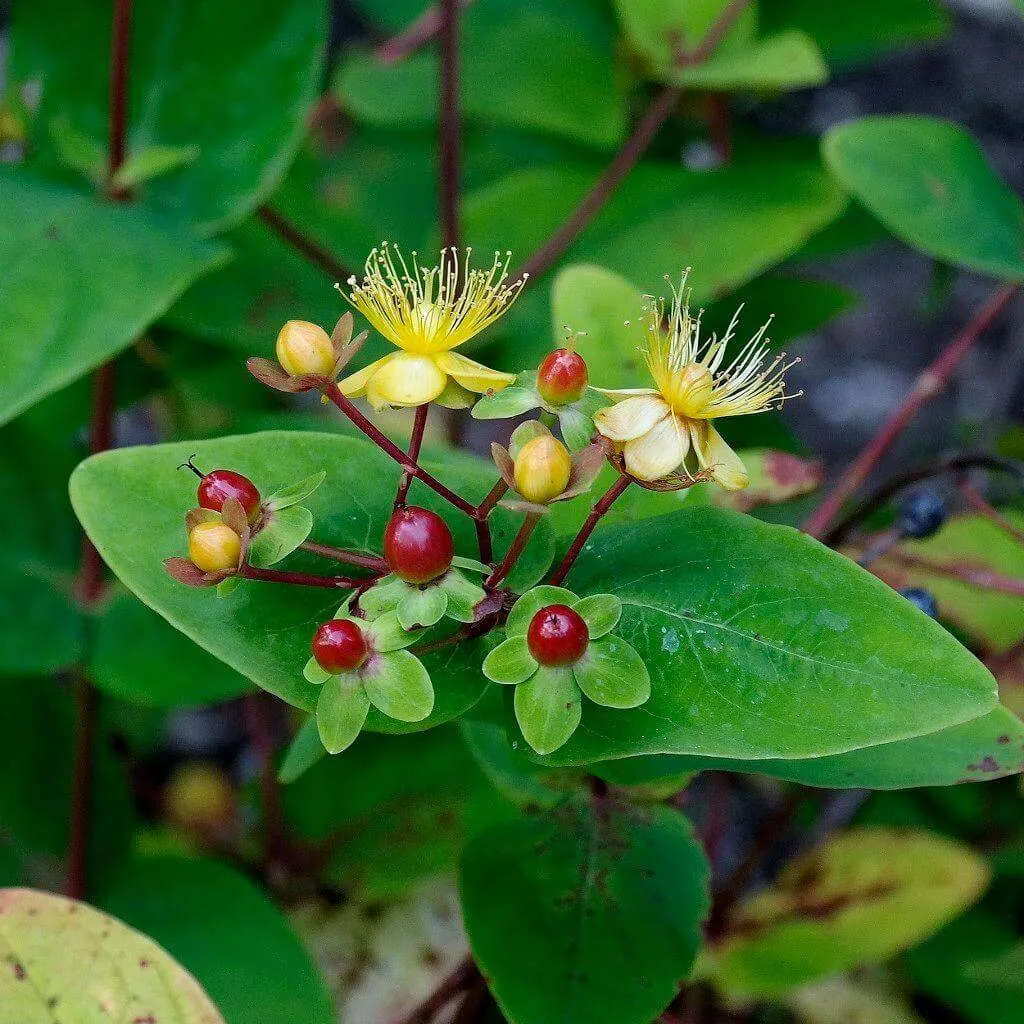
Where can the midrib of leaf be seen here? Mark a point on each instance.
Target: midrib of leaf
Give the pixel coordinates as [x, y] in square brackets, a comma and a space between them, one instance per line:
[588, 866]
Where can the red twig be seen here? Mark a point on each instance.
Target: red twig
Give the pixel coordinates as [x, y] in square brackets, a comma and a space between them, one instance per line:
[970, 574]
[119, 40]
[604, 503]
[259, 722]
[977, 501]
[419, 425]
[483, 510]
[303, 244]
[450, 123]
[515, 549]
[418, 34]
[374, 562]
[929, 384]
[303, 579]
[632, 150]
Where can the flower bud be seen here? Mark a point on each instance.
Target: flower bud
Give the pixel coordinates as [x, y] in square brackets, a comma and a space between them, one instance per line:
[542, 469]
[303, 348]
[214, 547]
[562, 377]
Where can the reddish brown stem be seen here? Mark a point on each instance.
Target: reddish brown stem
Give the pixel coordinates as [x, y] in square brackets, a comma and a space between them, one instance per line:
[119, 40]
[302, 579]
[515, 549]
[604, 503]
[462, 978]
[419, 425]
[333, 393]
[977, 501]
[450, 124]
[483, 510]
[345, 555]
[259, 723]
[969, 574]
[647, 128]
[303, 244]
[929, 384]
[418, 34]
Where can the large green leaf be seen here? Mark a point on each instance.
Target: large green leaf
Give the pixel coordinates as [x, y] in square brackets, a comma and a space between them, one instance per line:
[82, 279]
[226, 932]
[762, 643]
[132, 503]
[597, 917]
[980, 750]
[557, 74]
[786, 60]
[930, 183]
[262, 60]
[65, 961]
[861, 897]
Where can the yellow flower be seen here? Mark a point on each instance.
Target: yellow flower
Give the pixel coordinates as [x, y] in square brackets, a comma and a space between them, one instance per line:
[656, 428]
[427, 313]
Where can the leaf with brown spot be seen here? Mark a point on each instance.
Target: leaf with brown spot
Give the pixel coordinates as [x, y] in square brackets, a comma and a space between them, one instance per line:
[56, 953]
[858, 899]
[775, 477]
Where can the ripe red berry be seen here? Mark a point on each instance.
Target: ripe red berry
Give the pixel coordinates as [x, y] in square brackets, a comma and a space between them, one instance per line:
[215, 488]
[339, 646]
[418, 545]
[557, 635]
[562, 377]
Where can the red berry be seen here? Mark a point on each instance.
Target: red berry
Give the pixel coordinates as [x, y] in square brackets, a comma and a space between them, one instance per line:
[215, 488]
[562, 377]
[339, 646]
[557, 635]
[418, 545]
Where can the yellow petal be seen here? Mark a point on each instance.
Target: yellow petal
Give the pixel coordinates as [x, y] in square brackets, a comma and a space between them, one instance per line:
[354, 386]
[631, 418]
[405, 380]
[659, 451]
[714, 454]
[472, 375]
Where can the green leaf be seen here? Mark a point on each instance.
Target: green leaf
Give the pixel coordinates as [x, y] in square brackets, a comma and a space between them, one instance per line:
[137, 656]
[762, 643]
[858, 899]
[399, 686]
[262, 60]
[612, 674]
[285, 530]
[304, 751]
[787, 60]
[58, 951]
[294, 493]
[840, 1000]
[151, 162]
[82, 279]
[264, 630]
[223, 930]
[598, 915]
[930, 183]
[341, 711]
[548, 708]
[557, 75]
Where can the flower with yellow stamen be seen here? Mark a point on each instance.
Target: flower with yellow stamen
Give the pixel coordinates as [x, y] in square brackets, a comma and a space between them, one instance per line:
[428, 312]
[655, 429]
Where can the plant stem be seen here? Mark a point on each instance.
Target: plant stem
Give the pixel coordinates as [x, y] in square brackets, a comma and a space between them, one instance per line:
[331, 390]
[415, 442]
[303, 244]
[374, 562]
[302, 579]
[450, 122]
[418, 34]
[461, 979]
[929, 384]
[515, 549]
[977, 501]
[972, 575]
[604, 503]
[633, 149]
[101, 429]
[483, 511]
[260, 726]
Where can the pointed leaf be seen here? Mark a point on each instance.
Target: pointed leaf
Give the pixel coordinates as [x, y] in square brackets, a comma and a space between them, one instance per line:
[294, 493]
[287, 529]
[304, 751]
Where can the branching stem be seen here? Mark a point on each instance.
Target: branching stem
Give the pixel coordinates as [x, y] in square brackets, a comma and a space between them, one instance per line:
[604, 503]
[515, 549]
[419, 425]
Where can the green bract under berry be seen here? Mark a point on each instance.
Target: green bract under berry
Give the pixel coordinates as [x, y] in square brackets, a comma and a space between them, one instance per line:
[453, 594]
[418, 545]
[387, 677]
[560, 648]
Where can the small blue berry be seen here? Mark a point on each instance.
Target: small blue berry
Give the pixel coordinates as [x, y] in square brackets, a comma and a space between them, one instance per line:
[922, 599]
[921, 513]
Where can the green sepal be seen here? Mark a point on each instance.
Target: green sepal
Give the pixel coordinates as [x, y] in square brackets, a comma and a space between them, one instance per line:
[385, 633]
[524, 434]
[385, 596]
[285, 530]
[612, 674]
[399, 686]
[576, 426]
[304, 751]
[341, 711]
[471, 564]
[510, 662]
[517, 398]
[421, 609]
[313, 673]
[601, 613]
[455, 396]
[463, 595]
[548, 708]
[151, 162]
[294, 493]
[531, 602]
[228, 586]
